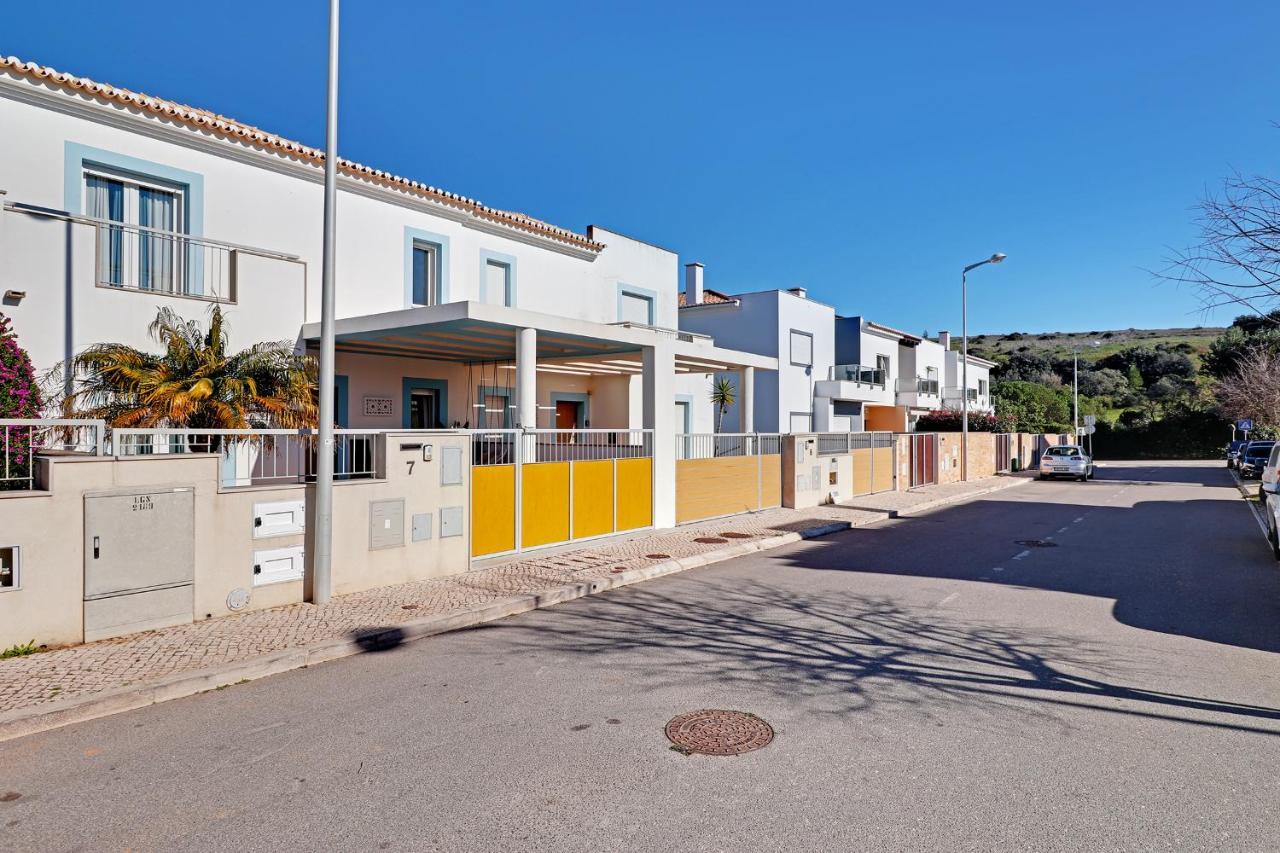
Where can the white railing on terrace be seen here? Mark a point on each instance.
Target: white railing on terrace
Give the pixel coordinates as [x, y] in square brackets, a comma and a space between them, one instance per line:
[919, 385]
[511, 446]
[253, 457]
[835, 443]
[22, 438]
[714, 445]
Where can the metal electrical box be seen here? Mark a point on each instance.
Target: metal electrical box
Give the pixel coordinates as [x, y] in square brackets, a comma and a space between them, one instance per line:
[451, 466]
[278, 518]
[421, 527]
[451, 521]
[386, 524]
[139, 560]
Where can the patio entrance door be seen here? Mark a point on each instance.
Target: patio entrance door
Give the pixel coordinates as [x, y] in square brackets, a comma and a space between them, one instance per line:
[424, 409]
[567, 412]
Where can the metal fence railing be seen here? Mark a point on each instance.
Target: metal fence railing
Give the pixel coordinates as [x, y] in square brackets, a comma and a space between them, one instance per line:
[512, 446]
[22, 438]
[257, 457]
[716, 445]
[835, 443]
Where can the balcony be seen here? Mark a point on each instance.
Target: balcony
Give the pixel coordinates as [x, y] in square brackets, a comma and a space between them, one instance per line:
[133, 257]
[856, 382]
[919, 393]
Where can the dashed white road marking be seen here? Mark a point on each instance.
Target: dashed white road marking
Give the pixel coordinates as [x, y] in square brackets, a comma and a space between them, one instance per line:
[950, 598]
[1023, 554]
[1078, 520]
[1062, 530]
[998, 569]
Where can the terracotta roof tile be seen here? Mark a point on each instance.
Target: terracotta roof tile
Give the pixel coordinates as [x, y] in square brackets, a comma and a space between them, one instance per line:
[230, 129]
[709, 297]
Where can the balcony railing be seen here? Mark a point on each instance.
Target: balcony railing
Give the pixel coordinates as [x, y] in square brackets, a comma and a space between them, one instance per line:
[859, 373]
[22, 438]
[133, 257]
[918, 385]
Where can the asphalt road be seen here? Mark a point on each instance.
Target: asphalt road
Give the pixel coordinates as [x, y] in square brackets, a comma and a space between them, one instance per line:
[933, 684]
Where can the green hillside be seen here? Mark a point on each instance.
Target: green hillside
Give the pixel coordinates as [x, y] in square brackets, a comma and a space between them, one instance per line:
[1059, 344]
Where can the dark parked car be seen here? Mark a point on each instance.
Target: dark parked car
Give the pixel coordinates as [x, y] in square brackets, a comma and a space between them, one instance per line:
[1233, 452]
[1254, 458]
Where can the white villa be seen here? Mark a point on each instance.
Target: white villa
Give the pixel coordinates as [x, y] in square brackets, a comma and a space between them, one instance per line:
[451, 313]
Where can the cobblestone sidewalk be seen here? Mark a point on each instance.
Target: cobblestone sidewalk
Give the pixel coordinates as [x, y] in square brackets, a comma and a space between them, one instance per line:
[108, 665]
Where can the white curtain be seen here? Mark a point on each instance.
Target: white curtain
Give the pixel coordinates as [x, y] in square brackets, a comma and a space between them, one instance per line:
[104, 199]
[156, 209]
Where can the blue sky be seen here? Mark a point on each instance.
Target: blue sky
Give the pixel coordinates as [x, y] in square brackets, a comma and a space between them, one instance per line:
[862, 151]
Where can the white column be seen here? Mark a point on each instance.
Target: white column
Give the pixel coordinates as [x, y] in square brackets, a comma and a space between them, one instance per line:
[526, 378]
[659, 397]
[747, 399]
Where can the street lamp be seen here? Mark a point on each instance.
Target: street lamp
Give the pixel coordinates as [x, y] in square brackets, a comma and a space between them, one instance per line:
[964, 360]
[322, 550]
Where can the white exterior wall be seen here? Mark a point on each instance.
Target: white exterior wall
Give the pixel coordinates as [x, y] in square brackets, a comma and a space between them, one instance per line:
[977, 372]
[874, 344]
[263, 200]
[762, 323]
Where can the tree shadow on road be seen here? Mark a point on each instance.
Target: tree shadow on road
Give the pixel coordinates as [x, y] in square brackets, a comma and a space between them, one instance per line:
[848, 653]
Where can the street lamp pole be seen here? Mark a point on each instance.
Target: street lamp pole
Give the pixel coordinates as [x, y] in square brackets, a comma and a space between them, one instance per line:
[964, 360]
[322, 560]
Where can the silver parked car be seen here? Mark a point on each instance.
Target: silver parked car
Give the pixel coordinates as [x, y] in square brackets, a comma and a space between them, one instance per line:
[1067, 460]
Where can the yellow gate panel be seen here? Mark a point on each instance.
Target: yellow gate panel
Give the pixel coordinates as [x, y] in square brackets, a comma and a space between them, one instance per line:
[706, 488]
[862, 471]
[635, 493]
[493, 509]
[544, 503]
[592, 498]
[771, 481]
[882, 480]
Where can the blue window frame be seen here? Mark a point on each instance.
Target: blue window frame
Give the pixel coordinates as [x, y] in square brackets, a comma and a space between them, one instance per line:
[497, 271]
[440, 392]
[636, 304]
[426, 268]
[484, 418]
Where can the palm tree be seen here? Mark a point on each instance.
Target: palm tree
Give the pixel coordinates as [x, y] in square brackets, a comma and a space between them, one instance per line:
[723, 395]
[195, 382]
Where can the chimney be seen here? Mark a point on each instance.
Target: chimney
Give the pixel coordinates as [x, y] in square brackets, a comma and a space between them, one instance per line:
[944, 338]
[693, 283]
[797, 291]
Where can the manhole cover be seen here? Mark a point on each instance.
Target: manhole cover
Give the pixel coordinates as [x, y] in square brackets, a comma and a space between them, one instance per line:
[1035, 543]
[713, 732]
[710, 540]
[657, 556]
[733, 535]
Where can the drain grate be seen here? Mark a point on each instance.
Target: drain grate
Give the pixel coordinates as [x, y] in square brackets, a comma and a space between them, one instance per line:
[657, 556]
[716, 732]
[710, 540]
[731, 534]
[1035, 543]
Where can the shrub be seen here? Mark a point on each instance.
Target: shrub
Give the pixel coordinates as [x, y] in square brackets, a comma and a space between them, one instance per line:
[19, 398]
[951, 420]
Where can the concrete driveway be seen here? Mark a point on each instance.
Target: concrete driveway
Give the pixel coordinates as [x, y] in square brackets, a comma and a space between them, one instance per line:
[1062, 666]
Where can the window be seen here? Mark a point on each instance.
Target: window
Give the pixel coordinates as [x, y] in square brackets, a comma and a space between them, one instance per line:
[882, 369]
[635, 308]
[982, 387]
[426, 273]
[10, 568]
[801, 348]
[495, 414]
[143, 251]
[497, 283]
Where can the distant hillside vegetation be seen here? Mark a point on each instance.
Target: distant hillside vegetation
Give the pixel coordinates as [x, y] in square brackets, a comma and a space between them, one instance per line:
[1058, 344]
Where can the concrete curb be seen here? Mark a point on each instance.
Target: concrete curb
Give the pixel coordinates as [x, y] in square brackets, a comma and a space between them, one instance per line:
[51, 715]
